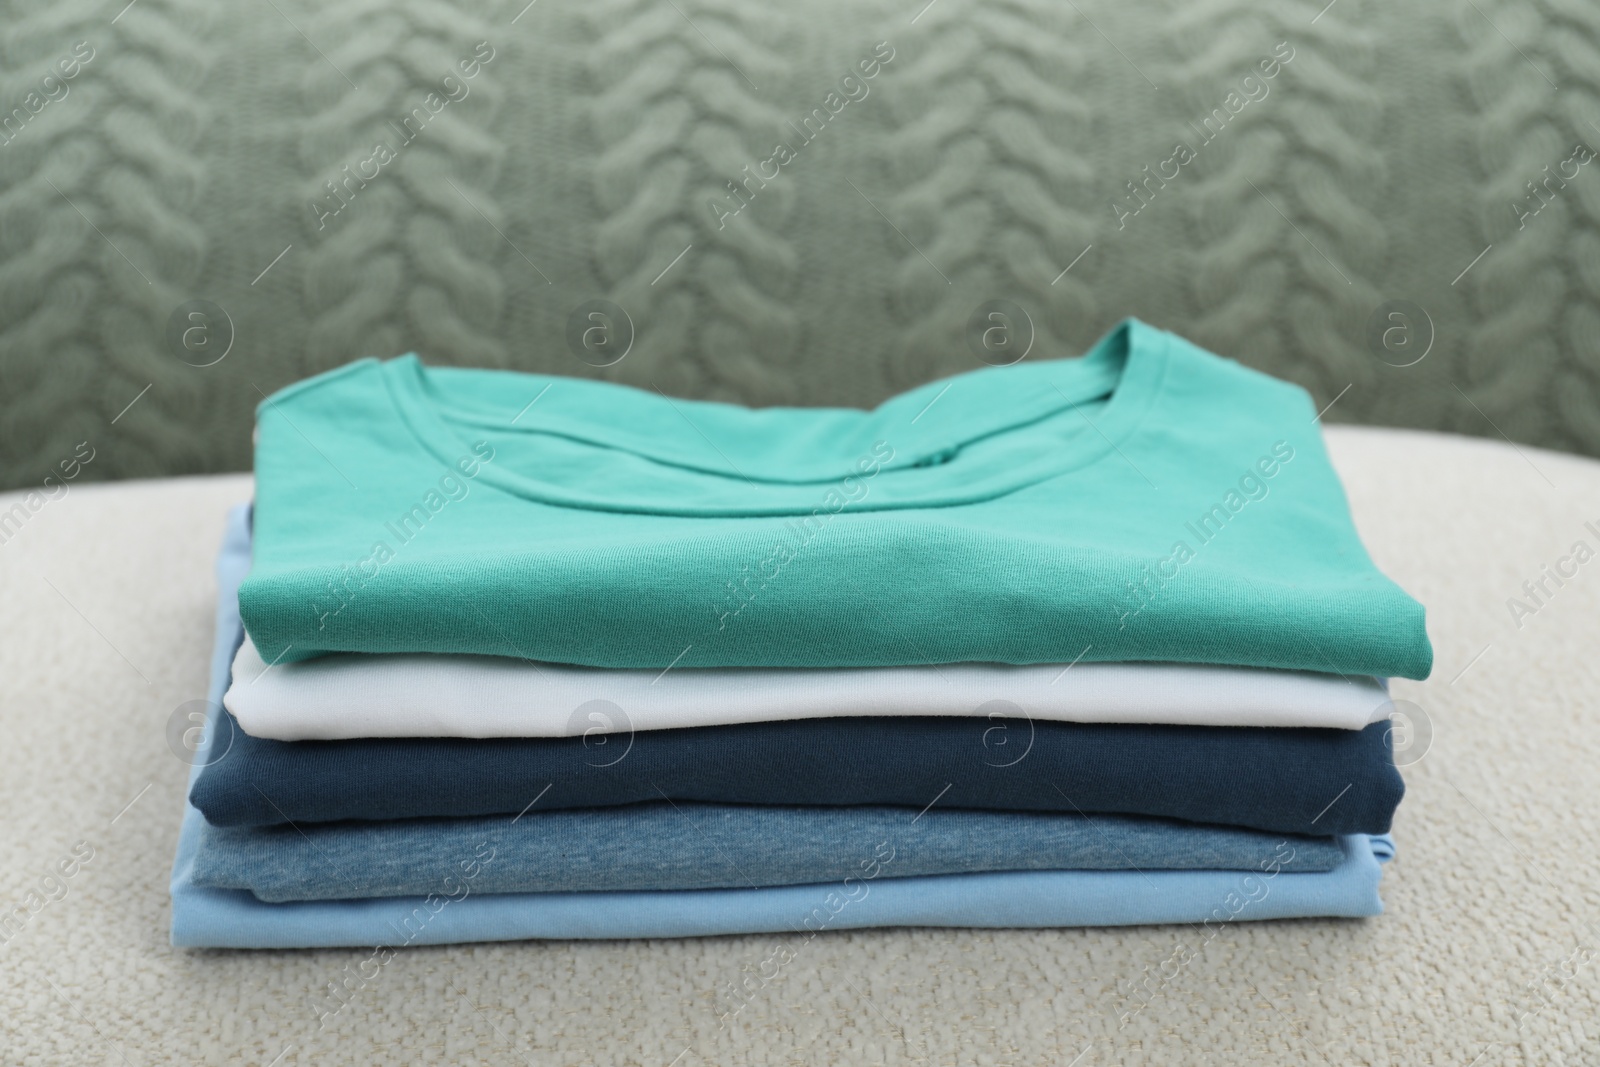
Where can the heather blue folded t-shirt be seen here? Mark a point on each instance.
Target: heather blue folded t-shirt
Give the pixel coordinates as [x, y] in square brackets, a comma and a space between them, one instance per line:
[670, 846]
[1306, 781]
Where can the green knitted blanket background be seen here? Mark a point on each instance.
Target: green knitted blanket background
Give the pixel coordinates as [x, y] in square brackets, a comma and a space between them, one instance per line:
[821, 202]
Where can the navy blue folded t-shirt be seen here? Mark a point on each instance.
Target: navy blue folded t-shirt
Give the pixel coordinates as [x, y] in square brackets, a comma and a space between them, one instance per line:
[1302, 781]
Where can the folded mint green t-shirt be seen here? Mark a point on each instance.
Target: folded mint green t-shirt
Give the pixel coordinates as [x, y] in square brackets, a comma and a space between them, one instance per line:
[1148, 501]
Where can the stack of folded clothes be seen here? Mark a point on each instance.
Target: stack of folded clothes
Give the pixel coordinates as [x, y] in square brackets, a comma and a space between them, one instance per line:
[1074, 642]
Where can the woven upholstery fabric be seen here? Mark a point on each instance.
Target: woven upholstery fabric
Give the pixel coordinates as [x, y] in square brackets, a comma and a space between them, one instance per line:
[992, 152]
[1490, 906]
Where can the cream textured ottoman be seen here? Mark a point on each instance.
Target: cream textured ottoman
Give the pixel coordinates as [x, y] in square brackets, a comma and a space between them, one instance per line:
[1483, 956]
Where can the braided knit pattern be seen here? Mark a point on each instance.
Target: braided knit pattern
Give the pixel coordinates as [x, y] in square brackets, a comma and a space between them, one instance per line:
[411, 260]
[229, 156]
[1533, 72]
[98, 239]
[988, 158]
[676, 114]
[1286, 248]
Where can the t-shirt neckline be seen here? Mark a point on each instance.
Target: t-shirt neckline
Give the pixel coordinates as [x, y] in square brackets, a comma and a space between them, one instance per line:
[1126, 368]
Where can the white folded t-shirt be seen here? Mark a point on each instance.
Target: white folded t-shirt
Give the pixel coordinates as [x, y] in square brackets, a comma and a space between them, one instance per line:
[350, 695]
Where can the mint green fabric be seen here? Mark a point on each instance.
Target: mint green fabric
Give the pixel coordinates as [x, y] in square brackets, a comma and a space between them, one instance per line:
[1149, 501]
